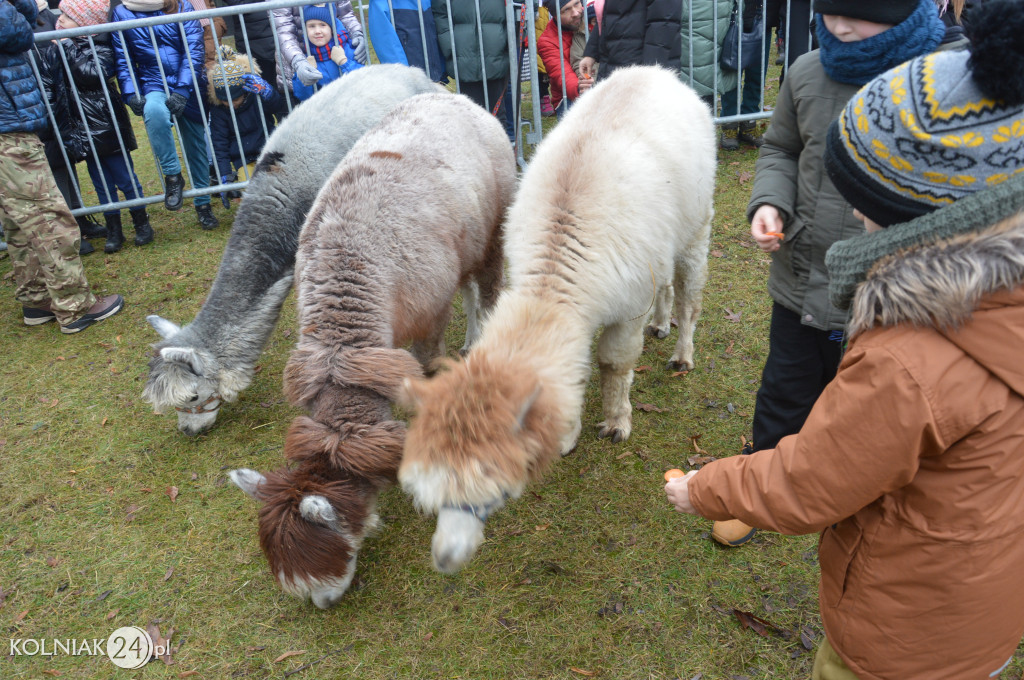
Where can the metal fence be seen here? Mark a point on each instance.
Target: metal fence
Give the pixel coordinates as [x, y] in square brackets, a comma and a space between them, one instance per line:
[521, 33]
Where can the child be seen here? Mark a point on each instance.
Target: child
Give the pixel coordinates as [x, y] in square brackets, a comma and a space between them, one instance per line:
[139, 71]
[233, 83]
[331, 58]
[106, 126]
[859, 40]
[910, 464]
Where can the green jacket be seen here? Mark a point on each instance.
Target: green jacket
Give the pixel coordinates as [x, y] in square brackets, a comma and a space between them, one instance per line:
[464, 26]
[699, 66]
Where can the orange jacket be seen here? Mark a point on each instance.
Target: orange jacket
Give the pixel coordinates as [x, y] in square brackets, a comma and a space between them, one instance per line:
[911, 465]
[552, 58]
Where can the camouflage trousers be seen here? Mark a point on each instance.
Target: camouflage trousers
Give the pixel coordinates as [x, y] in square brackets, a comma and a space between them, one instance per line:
[42, 235]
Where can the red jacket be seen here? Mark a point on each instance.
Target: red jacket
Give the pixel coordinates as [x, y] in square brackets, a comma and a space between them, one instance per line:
[547, 47]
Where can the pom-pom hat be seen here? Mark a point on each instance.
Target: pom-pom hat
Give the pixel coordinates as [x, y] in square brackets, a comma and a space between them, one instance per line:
[936, 128]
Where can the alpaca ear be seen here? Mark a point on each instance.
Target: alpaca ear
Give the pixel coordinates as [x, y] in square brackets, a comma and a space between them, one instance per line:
[409, 396]
[317, 509]
[165, 328]
[248, 481]
[183, 355]
[524, 410]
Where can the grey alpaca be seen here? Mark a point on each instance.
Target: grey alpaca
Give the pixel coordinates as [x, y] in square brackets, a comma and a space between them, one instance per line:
[208, 362]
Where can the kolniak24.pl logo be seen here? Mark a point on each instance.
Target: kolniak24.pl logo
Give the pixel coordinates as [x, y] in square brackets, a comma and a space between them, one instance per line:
[127, 647]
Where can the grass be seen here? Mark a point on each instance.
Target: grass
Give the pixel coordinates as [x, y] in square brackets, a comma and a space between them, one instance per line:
[590, 574]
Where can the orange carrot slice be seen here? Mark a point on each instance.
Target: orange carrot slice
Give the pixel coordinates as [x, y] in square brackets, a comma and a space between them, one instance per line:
[672, 474]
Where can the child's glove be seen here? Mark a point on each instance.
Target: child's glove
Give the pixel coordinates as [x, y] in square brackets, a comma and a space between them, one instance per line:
[176, 104]
[137, 104]
[359, 48]
[253, 83]
[306, 72]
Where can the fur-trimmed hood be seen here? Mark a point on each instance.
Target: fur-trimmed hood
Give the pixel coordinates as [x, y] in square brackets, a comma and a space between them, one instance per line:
[969, 287]
[234, 64]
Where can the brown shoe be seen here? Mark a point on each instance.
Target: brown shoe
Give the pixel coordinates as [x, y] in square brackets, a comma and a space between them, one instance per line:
[105, 307]
[732, 532]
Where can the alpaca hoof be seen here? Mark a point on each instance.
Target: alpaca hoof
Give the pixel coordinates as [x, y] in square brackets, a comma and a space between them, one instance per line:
[675, 364]
[616, 434]
[464, 351]
[657, 332]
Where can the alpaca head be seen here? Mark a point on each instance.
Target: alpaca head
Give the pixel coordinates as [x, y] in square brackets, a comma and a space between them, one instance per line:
[482, 430]
[185, 379]
[316, 514]
[310, 529]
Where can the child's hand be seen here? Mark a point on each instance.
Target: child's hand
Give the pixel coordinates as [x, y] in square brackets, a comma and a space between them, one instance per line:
[176, 103]
[678, 492]
[137, 104]
[766, 228]
[257, 85]
[587, 67]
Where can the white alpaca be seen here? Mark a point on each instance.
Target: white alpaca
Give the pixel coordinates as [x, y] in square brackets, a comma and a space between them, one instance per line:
[617, 199]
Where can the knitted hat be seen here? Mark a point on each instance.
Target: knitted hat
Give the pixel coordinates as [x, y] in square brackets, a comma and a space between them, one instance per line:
[936, 128]
[86, 12]
[319, 12]
[555, 5]
[231, 67]
[877, 11]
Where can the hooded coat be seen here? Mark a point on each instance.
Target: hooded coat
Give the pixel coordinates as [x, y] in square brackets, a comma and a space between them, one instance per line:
[911, 465]
[21, 102]
[251, 115]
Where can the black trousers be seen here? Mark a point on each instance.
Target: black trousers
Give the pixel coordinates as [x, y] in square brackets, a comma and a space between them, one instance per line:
[801, 361]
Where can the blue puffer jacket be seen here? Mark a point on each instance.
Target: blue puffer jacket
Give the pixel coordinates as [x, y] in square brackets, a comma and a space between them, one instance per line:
[174, 56]
[21, 102]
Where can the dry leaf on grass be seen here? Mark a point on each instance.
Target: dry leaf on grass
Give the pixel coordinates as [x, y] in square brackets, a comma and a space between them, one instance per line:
[50, 671]
[759, 625]
[542, 527]
[188, 674]
[167, 576]
[51, 561]
[428, 636]
[172, 492]
[286, 655]
[641, 369]
[589, 674]
[19, 617]
[745, 176]
[164, 643]
[678, 374]
[734, 317]
[717, 253]
[111, 614]
[130, 511]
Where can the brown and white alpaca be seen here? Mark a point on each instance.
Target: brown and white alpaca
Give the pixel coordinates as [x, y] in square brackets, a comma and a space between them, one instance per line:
[617, 198]
[412, 213]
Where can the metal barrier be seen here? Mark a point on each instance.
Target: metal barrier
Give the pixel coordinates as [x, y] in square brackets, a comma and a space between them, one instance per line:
[523, 62]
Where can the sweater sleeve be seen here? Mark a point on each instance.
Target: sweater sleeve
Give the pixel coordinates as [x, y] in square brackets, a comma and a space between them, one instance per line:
[554, 62]
[854, 448]
[15, 29]
[385, 40]
[196, 52]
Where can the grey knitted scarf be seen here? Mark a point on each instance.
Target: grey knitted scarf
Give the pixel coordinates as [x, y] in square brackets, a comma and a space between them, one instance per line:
[850, 261]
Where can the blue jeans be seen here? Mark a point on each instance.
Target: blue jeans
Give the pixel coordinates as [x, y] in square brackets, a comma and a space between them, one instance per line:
[117, 175]
[193, 141]
[753, 79]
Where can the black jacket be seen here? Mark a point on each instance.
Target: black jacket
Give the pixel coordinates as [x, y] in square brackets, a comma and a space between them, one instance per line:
[250, 128]
[637, 32]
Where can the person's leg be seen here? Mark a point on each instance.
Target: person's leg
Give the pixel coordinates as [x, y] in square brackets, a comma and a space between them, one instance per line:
[193, 141]
[830, 666]
[42, 235]
[158, 126]
[793, 378]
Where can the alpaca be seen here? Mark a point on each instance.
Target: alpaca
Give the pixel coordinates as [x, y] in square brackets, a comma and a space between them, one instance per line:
[208, 362]
[413, 212]
[616, 198]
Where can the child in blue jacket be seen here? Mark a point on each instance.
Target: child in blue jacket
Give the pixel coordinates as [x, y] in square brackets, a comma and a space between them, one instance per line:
[330, 50]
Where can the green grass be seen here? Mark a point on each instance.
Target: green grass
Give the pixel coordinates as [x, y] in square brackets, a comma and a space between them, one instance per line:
[590, 570]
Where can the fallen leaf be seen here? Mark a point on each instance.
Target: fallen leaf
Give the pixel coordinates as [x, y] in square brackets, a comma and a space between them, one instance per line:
[145, 489]
[50, 671]
[113, 369]
[542, 527]
[678, 374]
[130, 511]
[693, 440]
[289, 654]
[103, 422]
[426, 638]
[194, 476]
[161, 642]
[745, 176]
[806, 640]
[60, 358]
[172, 491]
[582, 672]
[167, 576]
[697, 461]
[717, 253]
[650, 407]
[187, 674]
[102, 596]
[19, 617]
[623, 455]
[51, 561]
[758, 625]
[641, 369]
[735, 318]
[728, 350]
[112, 614]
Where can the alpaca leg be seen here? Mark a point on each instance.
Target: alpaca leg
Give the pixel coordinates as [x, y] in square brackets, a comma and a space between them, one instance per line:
[456, 539]
[691, 273]
[661, 323]
[617, 351]
[471, 306]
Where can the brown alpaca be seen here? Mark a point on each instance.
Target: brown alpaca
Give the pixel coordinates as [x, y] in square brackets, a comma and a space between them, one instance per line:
[412, 213]
[612, 218]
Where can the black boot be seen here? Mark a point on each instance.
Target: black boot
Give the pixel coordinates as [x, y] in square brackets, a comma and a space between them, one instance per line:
[174, 185]
[115, 236]
[728, 140]
[89, 227]
[143, 230]
[206, 218]
[748, 134]
[85, 247]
